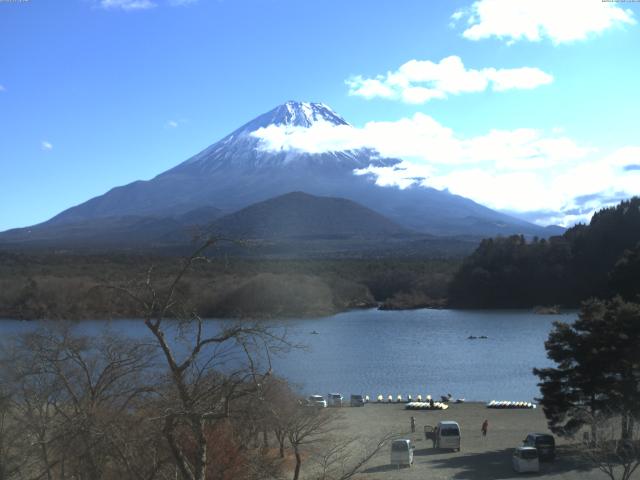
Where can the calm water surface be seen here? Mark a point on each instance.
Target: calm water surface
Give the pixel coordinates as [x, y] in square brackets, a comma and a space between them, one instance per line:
[404, 352]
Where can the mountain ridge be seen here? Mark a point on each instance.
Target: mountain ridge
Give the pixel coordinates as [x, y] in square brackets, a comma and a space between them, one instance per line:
[234, 173]
[300, 215]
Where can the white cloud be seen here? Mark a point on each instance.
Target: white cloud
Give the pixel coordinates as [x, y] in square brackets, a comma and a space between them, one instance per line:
[176, 122]
[524, 78]
[181, 3]
[457, 15]
[424, 140]
[46, 146]
[560, 21]
[419, 81]
[130, 5]
[127, 5]
[520, 170]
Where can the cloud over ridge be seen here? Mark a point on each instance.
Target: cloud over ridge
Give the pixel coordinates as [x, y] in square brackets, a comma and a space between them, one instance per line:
[419, 81]
[520, 170]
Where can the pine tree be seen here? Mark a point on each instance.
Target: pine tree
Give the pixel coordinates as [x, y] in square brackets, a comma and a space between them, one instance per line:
[598, 368]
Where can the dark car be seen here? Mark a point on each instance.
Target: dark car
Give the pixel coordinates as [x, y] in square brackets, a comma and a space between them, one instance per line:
[544, 443]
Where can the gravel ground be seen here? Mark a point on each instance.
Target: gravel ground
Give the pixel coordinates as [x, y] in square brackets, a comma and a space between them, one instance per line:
[479, 458]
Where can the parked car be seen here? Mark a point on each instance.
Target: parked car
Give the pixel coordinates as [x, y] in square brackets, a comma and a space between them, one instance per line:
[544, 443]
[402, 452]
[334, 400]
[316, 401]
[525, 459]
[357, 401]
[447, 434]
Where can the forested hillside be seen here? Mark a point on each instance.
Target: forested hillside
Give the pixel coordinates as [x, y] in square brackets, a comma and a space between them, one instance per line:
[72, 286]
[600, 259]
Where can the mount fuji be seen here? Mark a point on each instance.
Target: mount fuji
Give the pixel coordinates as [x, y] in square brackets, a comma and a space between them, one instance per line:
[236, 172]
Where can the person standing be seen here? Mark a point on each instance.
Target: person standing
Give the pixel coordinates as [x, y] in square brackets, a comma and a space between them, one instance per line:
[485, 427]
[413, 425]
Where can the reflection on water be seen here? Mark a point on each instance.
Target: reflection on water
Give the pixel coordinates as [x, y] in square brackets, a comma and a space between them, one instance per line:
[402, 352]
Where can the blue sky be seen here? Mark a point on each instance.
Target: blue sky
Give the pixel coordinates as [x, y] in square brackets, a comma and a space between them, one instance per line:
[524, 108]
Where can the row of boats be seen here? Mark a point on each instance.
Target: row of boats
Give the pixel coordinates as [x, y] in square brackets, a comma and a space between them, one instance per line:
[426, 406]
[417, 403]
[508, 404]
[417, 398]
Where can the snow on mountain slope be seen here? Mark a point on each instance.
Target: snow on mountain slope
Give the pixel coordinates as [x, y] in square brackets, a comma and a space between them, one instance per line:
[242, 147]
[235, 172]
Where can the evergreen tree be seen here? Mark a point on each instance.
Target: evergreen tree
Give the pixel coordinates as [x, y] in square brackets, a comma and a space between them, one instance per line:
[596, 260]
[625, 277]
[598, 368]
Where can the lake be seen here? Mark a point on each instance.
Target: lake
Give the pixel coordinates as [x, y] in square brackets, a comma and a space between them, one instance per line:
[404, 352]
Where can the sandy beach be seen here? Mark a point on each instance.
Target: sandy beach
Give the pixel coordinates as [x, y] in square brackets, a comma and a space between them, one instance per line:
[479, 458]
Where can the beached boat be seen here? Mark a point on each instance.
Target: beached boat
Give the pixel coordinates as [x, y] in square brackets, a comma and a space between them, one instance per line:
[426, 406]
[509, 404]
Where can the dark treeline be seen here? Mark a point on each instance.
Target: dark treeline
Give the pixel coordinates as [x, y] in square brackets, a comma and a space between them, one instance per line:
[68, 286]
[601, 259]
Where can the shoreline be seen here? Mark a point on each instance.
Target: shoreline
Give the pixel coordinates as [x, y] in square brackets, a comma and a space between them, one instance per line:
[311, 315]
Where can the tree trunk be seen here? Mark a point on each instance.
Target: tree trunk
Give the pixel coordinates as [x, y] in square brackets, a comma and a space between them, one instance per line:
[201, 450]
[280, 437]
[265, 439]
[296, 473]
[625, 431]
[45, 457]
[181, 461]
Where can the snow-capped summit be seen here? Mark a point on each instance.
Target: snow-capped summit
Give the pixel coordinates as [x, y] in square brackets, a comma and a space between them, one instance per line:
[295, 114]
[236, 172]
[242, 146]
[305, 114]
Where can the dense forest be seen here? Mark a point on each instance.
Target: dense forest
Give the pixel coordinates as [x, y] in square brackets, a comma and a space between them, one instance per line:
[78, 286]
[601, 259]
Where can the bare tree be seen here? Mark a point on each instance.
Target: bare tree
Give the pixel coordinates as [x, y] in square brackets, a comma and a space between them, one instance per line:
[306, 426]
[189, 402]
[313, 431]
[343, 459]
[615, 447]
[73, 398]
[278, 401]
[33, 409]
[209, 366]
[11, 458]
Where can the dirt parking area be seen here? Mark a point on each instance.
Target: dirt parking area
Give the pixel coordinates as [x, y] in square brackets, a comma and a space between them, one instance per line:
[479, 458]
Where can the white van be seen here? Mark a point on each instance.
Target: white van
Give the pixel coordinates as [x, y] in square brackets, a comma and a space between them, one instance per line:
[316, 401]
[525, 459]
[447, 435]
[402, 452]
[334, 399]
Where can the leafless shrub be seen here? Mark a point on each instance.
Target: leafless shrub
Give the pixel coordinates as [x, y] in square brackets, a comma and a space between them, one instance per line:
[613, 445]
